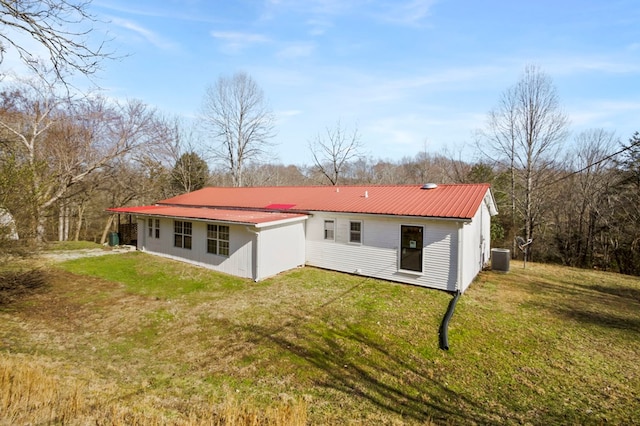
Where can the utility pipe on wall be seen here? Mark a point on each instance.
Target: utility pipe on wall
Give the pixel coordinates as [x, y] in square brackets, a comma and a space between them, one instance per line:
[256, 251]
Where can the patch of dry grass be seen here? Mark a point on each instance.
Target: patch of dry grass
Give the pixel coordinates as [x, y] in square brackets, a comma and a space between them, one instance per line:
[36, 390]
[31, 393]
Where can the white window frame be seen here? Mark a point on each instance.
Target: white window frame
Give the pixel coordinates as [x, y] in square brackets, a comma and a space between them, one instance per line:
[153, 226]
[183, 234]
[325, 230]
[360, 232]
[215, 235]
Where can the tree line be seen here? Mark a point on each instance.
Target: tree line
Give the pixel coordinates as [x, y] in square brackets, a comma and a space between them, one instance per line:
[66, 156]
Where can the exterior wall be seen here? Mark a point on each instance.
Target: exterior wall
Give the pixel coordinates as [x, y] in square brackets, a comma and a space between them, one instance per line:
[486, 233]
[280, 248]
[253, 253]
[239, 263]
[477, 243]
[378, 255]
[453, 251]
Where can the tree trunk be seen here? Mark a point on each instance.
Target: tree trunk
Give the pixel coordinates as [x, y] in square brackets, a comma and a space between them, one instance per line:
[106, 229]
[81, 209]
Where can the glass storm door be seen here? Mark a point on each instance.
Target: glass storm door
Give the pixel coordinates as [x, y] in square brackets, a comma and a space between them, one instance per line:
[411, 248]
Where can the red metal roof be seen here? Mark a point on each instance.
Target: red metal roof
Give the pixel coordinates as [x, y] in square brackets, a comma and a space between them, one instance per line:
[222, 215]
[459, 201]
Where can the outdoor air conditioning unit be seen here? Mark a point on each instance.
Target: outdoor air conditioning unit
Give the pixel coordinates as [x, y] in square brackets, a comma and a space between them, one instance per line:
[500, 259]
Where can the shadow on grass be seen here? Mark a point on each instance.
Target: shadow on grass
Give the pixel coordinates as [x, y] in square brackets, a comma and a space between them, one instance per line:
[602, 319]
[352, 360]
[391, 382]
[629, 293]
[604, 306]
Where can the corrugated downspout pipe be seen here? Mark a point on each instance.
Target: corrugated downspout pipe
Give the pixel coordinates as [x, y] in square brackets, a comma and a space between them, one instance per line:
[444, 327]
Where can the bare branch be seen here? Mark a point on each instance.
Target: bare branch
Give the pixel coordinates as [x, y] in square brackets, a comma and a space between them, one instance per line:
[236, 114]
[333, 150]
[62, 27]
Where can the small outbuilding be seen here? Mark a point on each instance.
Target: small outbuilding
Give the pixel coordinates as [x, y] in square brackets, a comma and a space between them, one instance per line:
[435, 236]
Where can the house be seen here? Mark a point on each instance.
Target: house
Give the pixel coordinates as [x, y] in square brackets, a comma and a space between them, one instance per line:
[436, 236]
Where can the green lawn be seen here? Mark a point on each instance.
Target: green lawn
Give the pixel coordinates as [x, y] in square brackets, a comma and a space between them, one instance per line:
[142, 334]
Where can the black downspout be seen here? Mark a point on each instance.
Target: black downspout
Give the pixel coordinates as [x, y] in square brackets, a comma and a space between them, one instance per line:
[444, 327]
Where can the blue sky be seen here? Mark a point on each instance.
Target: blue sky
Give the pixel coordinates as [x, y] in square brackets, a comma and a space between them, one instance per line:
[408, 74]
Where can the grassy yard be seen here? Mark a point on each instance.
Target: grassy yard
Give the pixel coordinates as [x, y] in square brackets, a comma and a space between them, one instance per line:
[137, 339]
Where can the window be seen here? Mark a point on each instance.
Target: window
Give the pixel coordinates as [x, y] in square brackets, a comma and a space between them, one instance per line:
[411, 248]
[355, 232]
[182, 234]
[154, 231]
[218, 239]
[328, 230]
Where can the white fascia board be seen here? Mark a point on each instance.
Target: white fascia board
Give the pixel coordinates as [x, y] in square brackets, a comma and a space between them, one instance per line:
[281, 222]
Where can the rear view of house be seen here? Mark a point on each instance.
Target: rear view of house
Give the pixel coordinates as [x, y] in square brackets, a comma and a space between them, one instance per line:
[436, 236]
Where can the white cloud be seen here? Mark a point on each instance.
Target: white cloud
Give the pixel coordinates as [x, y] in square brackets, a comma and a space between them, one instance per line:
[596, 112]
[235, 41]
[566, 64]
[283, 116]
[146, 34]
[407, 13]
[296, 50]
[318, 26]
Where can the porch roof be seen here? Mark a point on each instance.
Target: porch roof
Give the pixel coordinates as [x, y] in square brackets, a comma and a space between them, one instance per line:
[243, 217]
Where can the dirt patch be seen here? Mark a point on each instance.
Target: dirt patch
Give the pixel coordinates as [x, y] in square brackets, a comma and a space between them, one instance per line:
[61, 256]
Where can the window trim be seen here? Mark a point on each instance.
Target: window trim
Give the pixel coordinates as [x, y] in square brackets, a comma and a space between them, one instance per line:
[333, 230]
[183, 235]
[153, 227]
[360, 232]
[218, 246]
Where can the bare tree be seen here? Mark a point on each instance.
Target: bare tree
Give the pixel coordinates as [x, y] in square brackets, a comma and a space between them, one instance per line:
[527, 128]
[578, 209]
[236, 114]
[333, 150]
[62, 27]
[60, 141]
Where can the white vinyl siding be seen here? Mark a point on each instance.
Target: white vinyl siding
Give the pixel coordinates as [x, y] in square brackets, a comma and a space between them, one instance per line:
[238, 263]
[476, 249]
[378, 255]
[281, 247]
